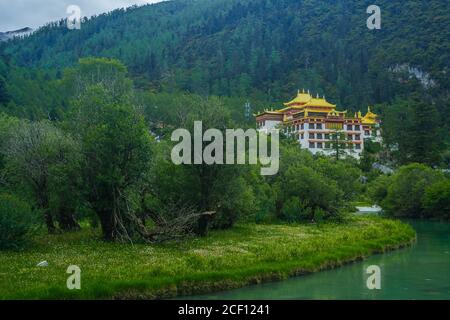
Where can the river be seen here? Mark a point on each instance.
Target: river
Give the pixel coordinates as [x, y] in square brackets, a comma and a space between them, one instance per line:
[418, 272]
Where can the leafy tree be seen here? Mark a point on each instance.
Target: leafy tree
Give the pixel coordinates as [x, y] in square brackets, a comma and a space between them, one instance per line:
[32, 153]
[219, 188]
[109, 73]
[299, 178]
[405, 193]
[346, 174]
[66, 188]
[436, 199]
[313, 191]
[116, 149]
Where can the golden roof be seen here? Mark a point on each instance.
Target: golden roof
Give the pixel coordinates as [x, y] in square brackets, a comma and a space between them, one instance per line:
[370, 117]
[301, 98]
[305, 102]
[319, 102]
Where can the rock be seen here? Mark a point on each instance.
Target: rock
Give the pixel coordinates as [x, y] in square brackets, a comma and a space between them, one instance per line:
[42, 264]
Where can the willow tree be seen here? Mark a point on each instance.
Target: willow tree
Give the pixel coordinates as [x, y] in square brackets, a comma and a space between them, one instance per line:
[116, 149]
[38, 156]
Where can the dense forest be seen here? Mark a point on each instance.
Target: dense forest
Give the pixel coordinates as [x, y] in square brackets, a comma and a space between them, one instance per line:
[262, 49]
[259, 51]
[88, 113]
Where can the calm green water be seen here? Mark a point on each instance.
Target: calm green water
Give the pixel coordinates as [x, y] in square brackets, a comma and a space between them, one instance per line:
[419, 272]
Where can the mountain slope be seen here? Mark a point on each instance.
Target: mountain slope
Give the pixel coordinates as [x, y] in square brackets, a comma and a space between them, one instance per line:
[8, 35]
[264, 48]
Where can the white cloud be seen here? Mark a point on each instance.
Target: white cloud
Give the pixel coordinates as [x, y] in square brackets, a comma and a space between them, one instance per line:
[34, 13]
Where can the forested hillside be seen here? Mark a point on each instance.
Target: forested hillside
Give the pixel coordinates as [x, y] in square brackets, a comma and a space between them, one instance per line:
[264, 49]
[260, 51]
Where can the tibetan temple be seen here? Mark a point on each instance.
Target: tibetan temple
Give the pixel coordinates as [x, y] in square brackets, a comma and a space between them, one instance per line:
[317, 125]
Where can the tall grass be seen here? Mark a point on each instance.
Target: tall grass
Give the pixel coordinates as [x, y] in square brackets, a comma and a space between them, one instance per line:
[226, 259]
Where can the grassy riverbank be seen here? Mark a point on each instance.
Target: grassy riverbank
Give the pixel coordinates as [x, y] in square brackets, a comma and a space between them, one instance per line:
[226, 259]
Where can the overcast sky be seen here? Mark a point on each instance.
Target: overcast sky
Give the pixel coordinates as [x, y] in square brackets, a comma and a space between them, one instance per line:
[16, 14]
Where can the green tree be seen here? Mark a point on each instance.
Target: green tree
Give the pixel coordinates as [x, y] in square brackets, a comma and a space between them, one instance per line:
[111, 74]
[116, 149]
[299, 178]
[345, 172]
[405, 193]
[32, 153]
[436, 200]
[412, 129]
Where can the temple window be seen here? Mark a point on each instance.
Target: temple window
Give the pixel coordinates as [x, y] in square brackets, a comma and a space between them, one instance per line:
[312, 145]
[312, 135]
[349, 127]
[319, 136]
[320, 145]
[319, 126]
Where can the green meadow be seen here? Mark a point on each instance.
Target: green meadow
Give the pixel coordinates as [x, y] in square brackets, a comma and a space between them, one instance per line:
[244, 255]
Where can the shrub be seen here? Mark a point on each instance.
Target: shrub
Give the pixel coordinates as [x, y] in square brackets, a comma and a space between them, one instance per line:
[312, 190]
[16, 222]
[234, 203]
[404, 198]
[294, 210]
[436, 200]
[319, 215]
[344, 172]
